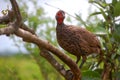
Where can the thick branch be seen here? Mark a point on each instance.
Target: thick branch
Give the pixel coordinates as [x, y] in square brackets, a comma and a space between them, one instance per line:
[53, 62]
[60, 68]
[25, 27]
[7, 30]
[16, 11]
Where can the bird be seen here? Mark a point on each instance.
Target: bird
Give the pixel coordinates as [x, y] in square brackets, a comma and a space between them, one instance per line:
[76, 40]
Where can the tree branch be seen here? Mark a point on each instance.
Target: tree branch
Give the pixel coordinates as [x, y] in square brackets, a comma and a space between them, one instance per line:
[60, 68]
[26, 28]
[7, 30]
[16, 11]
[44, 53]
[106, 71]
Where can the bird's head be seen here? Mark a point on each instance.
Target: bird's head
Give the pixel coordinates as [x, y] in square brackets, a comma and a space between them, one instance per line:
[60, 15]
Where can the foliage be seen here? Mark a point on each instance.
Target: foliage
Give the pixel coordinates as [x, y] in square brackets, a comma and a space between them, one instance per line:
[19, 67]
[91, 75]
[107, 28]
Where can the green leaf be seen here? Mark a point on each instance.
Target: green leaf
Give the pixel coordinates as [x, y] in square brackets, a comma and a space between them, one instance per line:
[102, 4]
[87, 78]
[99, 70]
[103, 13]
[117, 9]
[116, 33]
[114, 2]
[117, 75]
[96, 29]
[69, 19]
[90, 75]
[95, 13]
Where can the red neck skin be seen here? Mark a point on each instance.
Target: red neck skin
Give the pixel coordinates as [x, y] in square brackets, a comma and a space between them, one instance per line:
[60, 20]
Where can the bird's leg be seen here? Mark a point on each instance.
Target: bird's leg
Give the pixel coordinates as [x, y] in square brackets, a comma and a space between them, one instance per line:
[99, 61]
[78, 59]
[83, 61]
[101, 58]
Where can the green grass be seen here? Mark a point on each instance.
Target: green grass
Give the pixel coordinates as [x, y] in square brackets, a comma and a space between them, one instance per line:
[19, 68]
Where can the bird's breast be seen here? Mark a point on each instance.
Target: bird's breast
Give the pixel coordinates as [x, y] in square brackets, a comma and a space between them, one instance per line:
[68, 41]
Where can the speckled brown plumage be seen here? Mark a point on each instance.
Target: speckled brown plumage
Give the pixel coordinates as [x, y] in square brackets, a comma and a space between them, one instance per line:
[76, 40]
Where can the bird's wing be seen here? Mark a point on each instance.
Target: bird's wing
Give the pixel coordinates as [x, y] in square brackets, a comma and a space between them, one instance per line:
[87, 37]
[90, 38]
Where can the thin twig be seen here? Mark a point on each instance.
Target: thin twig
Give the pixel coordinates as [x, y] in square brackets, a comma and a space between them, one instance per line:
[60, 9]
